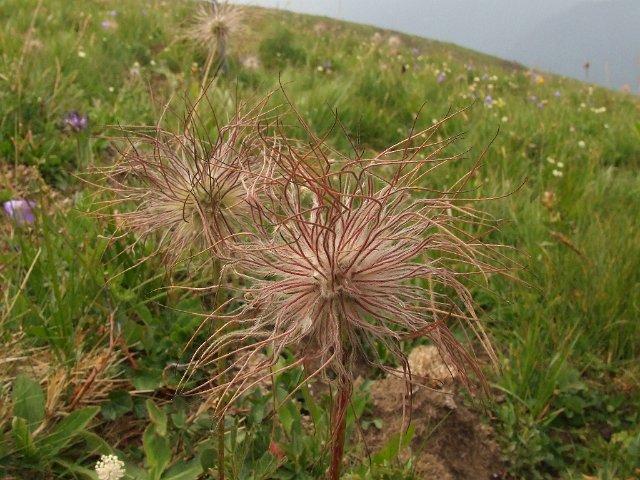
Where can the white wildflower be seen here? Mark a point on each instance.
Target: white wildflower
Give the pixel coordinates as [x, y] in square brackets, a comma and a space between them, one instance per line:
[582, 144]
[110, 467]
[557, 173]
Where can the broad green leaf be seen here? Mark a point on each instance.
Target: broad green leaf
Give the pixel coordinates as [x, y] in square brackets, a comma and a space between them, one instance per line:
[22, 438]
[158, 417]
[28, 401]
[208, 458]
[147, 379]
[119, 403]
[184, 471]
[65, 432]
[95, 443]
[157, 451]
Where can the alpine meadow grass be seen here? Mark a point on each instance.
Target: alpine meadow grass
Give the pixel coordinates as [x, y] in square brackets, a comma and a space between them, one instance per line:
[284, 217]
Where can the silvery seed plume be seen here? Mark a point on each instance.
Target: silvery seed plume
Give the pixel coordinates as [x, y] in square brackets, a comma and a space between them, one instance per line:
[215, 23]
[192, 192]
[354, 254]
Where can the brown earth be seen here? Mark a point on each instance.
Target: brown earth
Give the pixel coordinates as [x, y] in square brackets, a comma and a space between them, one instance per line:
[450, 440]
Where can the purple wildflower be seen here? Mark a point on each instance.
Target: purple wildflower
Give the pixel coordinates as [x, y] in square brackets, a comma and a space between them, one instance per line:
[540, 104]
[415, 52]
[469, 67]
[107, 24]
[327, 64]
[557, 94]
[75, 122]
[533, 98]
[488, 100]
[442, 77]
[113, 13]
[20, 210]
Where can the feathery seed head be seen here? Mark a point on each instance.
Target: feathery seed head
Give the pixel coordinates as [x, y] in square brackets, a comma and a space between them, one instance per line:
[214, 23]
[195, 192]
[350, 258]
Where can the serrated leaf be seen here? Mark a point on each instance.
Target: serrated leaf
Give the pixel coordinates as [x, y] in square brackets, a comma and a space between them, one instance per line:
[28, 401]
[65, 432]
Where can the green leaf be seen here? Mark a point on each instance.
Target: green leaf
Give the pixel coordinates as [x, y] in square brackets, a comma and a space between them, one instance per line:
[158, 417]
[22, 438]
[143, 312]
[119, 404]
[313, 408]
[157, 451]
[392, 448]
[288, 414]
[78, 471]
[95, 443]
[28, 401]
[208, 458]
[184, 471]
[179, 419]
[147, 379]
[65, 432]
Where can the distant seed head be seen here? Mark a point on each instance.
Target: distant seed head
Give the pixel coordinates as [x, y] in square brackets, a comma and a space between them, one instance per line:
[213, 24]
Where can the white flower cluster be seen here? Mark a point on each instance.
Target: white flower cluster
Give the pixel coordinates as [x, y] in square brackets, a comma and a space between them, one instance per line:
[110, 467]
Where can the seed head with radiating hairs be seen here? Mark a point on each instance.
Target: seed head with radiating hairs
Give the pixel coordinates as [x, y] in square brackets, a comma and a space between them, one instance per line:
[351, 258]
[194, 193]
[215, 23]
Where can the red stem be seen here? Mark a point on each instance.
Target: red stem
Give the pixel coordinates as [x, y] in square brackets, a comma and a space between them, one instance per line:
[339, 418]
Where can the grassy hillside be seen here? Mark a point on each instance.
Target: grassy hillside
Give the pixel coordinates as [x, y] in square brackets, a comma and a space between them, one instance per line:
[92, 339]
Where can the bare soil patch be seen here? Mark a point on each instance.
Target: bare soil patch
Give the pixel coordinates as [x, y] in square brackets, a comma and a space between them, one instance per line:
[451, 441]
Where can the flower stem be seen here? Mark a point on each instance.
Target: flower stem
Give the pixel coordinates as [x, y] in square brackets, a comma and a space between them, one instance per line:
[339, 420]
[213, 300]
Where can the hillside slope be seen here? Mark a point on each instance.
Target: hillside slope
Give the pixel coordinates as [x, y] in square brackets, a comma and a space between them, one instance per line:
[96, 334]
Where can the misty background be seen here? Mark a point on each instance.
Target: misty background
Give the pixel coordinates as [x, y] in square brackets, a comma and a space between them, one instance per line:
[559, 36]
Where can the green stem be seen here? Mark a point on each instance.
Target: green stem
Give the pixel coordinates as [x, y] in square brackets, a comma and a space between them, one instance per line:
[207, 68]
